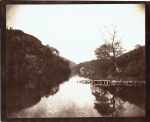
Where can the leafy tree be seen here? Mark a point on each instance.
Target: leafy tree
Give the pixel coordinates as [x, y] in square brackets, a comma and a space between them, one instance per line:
[103, 52]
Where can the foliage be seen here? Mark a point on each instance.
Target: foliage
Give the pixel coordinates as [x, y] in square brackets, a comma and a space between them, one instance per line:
[104, 52]
[132, 65]
[111, 47]
[32, 70]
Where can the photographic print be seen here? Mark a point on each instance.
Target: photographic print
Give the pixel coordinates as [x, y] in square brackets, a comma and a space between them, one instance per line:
[75, 60]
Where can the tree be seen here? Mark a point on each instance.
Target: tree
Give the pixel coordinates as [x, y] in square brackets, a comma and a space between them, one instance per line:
[53, 50]
[110, 50]
[103, 52]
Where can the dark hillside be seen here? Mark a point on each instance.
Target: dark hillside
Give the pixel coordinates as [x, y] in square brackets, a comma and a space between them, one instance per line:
[32, 70]
[131, 64]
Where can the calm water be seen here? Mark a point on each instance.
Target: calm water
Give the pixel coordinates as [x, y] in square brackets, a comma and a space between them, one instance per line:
[73, 99]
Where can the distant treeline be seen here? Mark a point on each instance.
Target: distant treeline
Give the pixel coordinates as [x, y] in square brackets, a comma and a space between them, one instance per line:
[131, 65]
[32, 70]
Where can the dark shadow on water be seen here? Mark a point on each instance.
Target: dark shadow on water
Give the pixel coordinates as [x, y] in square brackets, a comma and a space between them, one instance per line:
[134, 95]
[111, 104]
[103, 105]
[27, 98]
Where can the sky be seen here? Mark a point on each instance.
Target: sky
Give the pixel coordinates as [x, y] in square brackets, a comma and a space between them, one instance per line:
[77, 30]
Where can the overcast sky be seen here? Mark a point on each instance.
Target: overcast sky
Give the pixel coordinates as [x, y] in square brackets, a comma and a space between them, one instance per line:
[77, 30]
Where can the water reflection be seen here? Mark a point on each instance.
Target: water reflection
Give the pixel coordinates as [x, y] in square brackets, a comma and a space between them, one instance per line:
[75, 99]
[105, 103]
[108, 104]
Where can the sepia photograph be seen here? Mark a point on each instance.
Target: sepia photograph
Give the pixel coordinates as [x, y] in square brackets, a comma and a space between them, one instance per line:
[75, 60]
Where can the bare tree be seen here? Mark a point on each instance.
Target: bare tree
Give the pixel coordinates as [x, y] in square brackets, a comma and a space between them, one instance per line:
[117, 50]
[110, 50]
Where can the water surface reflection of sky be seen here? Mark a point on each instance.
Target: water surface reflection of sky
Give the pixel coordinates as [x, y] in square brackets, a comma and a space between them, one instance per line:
[73, 99]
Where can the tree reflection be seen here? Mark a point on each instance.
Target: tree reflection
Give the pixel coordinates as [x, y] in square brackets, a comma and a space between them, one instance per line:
[107, 104]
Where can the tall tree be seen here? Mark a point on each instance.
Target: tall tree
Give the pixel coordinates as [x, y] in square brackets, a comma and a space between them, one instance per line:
[110, 50]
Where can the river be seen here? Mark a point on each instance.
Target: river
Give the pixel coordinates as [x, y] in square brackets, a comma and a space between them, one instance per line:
[74, 99]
